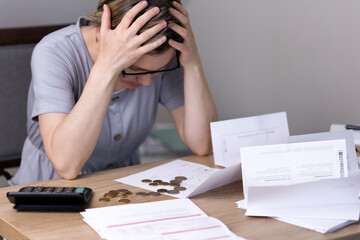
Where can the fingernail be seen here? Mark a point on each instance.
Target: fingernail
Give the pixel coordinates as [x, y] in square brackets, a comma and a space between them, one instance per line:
[144, 3]
[164, 23]
[156, 10]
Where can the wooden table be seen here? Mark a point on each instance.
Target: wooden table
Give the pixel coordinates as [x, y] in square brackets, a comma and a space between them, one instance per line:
[218, 203]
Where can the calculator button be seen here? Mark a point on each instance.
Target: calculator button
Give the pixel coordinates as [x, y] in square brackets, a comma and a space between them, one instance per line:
[26, 189]
[48, 189]
[58, 189]
[79, 190]
[68, 189]
[37, 189]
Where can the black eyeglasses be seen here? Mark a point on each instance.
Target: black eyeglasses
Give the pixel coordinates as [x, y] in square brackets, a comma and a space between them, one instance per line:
[157, 71]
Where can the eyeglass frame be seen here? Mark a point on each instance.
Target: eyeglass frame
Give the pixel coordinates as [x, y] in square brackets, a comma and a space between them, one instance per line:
[156, 71]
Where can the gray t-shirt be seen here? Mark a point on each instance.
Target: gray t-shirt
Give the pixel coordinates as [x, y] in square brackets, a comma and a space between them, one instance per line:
[60, 67]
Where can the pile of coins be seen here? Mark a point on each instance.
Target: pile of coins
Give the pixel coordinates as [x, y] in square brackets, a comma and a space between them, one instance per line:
[175, 183]
[123, 194]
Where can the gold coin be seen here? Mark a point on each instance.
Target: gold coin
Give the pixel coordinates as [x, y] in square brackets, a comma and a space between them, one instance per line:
[175, 181]
[162, 190]
[141, 193]
[173, 191]
[164, 184]
[124, 201]
[122, 190]
[181, 178]
[153, 184]
[153, 194]
[122, 196]
[146, 180]
[173, 184]
[123, 193]
[180, 188]
[112, 194]
[107, 195]
[157, 181]
[104, 199]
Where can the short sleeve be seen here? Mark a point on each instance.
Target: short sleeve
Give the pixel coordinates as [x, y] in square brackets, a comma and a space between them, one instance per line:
[52, 81]
[172, 89]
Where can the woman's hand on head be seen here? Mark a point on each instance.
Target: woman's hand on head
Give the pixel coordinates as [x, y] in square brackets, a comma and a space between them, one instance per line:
[189, 52]
[121, 47]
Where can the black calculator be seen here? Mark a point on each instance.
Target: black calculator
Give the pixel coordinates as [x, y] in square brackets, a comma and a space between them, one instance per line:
[70, 199]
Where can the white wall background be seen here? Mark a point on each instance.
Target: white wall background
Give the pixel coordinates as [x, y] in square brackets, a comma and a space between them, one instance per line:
[299, 56]
[260, 56]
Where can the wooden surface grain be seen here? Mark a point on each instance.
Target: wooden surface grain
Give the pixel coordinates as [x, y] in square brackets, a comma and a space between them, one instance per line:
[218, 203]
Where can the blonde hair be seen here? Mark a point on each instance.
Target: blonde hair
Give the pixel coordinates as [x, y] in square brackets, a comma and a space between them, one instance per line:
[119, 8]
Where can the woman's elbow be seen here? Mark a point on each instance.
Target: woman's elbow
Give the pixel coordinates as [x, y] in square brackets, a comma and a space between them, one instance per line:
[65, 171]
[201, 149]
[69, 176]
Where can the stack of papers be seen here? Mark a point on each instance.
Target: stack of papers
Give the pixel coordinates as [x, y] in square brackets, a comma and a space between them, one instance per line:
[303, 183]
[163, 220]
[200, 178]
[302, 180]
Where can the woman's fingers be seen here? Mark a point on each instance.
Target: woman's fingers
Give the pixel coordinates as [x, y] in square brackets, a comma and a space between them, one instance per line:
[133, 27]
[182, 17]
[131, 14]
[105, 19]
[148, 34]
[180, 8]
[143, 19]
[151, 45]
[183, 32]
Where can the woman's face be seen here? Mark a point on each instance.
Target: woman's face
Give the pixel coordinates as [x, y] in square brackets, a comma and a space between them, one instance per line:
[145, 64]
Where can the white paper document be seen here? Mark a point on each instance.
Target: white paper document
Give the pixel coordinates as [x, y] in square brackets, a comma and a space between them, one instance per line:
[348, 135]
[162, 220]
[323, 199]
[200, 178]
[319, 225]
[285, 164]
[229, 135]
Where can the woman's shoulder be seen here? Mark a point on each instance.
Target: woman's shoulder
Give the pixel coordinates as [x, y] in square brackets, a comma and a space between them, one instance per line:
[64, 38]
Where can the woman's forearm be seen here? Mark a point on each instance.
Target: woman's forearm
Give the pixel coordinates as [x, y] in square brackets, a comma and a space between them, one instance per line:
[200, 110]
[73, 140]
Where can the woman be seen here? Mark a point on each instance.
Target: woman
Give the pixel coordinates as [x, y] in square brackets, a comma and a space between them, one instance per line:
[96, 86]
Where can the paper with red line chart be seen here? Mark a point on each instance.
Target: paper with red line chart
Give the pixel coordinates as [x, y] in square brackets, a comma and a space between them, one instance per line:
[163, 220]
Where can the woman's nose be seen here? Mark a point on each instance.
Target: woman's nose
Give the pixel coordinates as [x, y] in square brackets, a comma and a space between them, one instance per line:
[145, 80]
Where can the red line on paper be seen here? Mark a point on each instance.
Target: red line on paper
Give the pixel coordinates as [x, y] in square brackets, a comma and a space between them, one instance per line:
[191, 230]
[154, 220]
